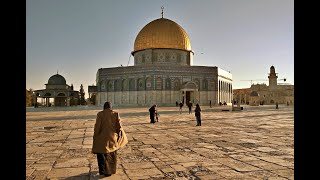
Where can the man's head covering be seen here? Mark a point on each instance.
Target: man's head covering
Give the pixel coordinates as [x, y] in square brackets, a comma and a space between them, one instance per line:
[107, 105]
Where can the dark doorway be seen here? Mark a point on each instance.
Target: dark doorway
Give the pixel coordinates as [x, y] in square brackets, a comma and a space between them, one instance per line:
[188, 97]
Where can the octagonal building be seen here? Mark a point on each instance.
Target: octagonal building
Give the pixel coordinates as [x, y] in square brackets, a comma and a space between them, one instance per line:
[57, 90]
[163, 72]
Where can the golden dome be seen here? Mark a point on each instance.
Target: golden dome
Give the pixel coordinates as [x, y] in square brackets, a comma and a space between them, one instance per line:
[162, 33]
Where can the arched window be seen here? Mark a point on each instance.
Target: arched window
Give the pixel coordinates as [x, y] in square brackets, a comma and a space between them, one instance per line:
[117, 85]
[141, 85]
[176, 84]
[131, 85]
[204, 84]
[168, 84]
[211, 84]
[102, 85]
[124, 85]
[159, 83]
[149, 83]
[110, 86]
[47, 95]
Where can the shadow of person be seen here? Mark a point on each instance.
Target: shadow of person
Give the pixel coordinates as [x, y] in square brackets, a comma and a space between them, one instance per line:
[86, 176]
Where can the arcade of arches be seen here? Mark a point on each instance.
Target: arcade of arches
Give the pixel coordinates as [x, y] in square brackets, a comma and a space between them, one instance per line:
[56, 93]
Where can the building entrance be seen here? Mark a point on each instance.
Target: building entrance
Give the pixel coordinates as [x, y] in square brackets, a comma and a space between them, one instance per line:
[188, 96]
[188, 90]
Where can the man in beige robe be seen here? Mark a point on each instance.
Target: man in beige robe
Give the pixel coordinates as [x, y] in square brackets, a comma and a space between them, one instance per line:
[108, 137]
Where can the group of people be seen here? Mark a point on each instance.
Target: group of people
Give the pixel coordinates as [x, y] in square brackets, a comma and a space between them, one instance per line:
[224, 103]
[154, 114]
[109, 135]
[197, 111]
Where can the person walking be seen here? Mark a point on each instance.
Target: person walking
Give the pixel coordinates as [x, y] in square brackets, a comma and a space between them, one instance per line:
[108, 137]
[190, 107]
[210, 104]
[152, 111]
[180, 107]
[198, 114]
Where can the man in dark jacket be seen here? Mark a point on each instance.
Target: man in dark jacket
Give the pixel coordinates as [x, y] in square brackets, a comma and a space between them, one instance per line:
[152, 111]
[198, 114]
[180, 107]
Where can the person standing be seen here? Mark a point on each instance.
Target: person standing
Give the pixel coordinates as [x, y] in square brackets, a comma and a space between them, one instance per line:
[198, 114]
[180, 107]
[152, 111]
[210, 104]
[108, 137]
[190, 107]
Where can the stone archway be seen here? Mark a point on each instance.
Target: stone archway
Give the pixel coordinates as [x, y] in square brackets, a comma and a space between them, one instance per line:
[189, 92]
[60, 100]
[47, 97]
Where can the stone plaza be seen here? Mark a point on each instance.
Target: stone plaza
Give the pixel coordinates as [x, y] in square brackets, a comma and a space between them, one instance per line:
[256, 143]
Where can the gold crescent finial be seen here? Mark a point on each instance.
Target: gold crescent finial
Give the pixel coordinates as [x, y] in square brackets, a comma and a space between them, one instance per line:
[162, 11]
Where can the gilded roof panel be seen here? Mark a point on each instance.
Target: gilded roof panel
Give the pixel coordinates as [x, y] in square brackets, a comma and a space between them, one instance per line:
[162, 33]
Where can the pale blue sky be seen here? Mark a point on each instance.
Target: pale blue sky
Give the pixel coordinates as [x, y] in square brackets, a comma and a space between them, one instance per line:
[77, 37]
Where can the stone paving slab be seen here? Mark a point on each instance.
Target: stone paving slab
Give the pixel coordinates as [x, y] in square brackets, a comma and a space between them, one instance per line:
[256, 143]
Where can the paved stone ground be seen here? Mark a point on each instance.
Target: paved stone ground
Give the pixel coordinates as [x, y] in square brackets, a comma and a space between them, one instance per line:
[256, 143]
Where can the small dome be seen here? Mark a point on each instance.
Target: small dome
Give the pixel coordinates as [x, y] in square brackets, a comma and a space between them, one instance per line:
[254, 93]
[57, 79]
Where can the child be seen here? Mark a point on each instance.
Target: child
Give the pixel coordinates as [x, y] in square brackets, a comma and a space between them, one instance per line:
[156, 113]
[157, 116]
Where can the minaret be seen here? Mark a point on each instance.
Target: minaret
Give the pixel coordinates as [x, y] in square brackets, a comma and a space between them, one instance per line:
[272, 78]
